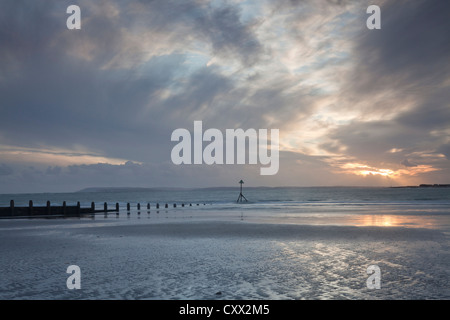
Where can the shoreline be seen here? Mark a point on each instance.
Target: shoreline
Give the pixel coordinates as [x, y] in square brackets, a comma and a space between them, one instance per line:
[387, 216]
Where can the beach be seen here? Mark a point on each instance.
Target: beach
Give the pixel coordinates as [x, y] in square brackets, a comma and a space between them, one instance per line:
[226, 254]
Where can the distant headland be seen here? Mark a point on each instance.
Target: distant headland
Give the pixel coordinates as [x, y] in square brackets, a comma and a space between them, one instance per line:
[426, 186]
[140, 189]
[125, 189]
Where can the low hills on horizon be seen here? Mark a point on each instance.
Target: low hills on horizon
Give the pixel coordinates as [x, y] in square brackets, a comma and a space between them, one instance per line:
[143, 189]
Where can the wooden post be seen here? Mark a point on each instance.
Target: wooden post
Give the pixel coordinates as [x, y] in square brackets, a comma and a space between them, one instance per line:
[30, 207]
[182, 204]
[148, 206]
[78, 208]
[105, 207]
[166, 206]
[64, 208]
[11, 205]
[157, 206]
[139, 206]
[174, 205]
[117, 207]
[48, 208]
[93, 207]
[128, 206]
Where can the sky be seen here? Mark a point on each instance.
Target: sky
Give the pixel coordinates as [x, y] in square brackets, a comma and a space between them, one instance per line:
[96, 107]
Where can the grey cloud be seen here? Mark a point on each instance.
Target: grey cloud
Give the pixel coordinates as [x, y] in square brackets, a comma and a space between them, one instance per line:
[413, 41]
[229, 36]
[130, 174]
[445, 150]
[365, 140]
[5, 170]
[218, 26]
[403, 64]
[91, 109]
[406, 163]
[406, 59]
[431, 113]
[222, 103]
[56, 170]
[204, 88]
[71, 101]
[372, 141]
[408, 54]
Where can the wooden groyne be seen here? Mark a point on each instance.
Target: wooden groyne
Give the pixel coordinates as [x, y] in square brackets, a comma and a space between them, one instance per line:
[48, 210]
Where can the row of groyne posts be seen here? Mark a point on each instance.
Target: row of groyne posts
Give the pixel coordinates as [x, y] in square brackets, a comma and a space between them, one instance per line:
[67, 211]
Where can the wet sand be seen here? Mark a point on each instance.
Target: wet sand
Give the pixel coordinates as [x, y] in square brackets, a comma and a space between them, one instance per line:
[189, 256]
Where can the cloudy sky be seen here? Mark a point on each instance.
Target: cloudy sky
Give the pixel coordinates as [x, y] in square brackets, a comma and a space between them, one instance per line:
[97, 106]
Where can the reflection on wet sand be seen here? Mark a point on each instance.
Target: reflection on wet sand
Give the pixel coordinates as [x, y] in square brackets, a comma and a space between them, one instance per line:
[357, 219]
[398, 221]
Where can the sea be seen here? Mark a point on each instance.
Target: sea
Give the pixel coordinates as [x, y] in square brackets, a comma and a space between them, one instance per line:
[408, 206]
[260, 197]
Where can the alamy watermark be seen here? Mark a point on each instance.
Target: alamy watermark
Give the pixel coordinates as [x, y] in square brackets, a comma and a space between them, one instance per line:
[259, 147]
[74, 20]
[374, 281]
[374, 21]
[74, 280]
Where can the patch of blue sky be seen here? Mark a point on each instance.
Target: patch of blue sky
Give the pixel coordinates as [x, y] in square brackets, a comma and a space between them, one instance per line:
[345, 24]
[331, 59]
[251, 9]
[195, 61]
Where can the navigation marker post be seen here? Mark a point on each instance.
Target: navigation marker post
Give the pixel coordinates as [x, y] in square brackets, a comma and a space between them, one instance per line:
[241, 197]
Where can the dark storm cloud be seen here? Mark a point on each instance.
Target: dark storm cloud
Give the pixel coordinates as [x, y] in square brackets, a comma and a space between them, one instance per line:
[401, 71]
[406, 163]
[408, 55]
[229, 36]
[219, 26]
[412, 44]
[366, 140]
[445, 150]
[60, 106]
[432, 111]
[203, 88]
[56, 89]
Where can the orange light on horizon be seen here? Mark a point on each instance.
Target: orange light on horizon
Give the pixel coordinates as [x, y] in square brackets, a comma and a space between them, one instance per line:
[365, 170]
[397, 174]
[381, 172]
